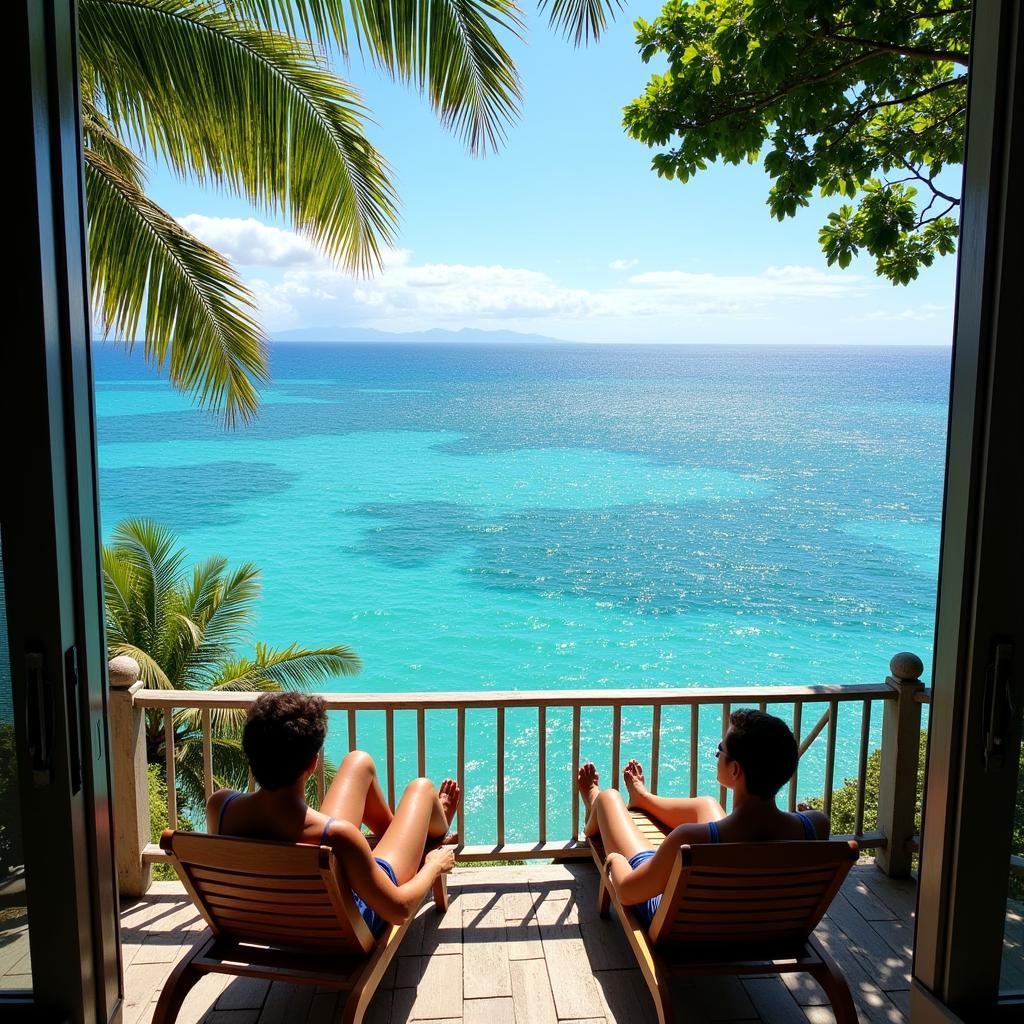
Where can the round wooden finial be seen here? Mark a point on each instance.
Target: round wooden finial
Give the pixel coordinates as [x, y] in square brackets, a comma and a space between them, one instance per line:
[906, 666]
[123, 672]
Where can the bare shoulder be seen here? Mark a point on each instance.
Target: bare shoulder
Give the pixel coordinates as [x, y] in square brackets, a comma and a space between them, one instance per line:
[344, 836]
[687, 835]
[214, 804]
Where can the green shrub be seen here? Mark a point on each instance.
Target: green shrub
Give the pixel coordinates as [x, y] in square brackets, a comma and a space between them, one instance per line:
[844, 806]
[159, 819]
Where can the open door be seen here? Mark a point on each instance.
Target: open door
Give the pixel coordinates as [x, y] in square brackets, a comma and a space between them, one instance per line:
[969, 951]
[58, 913]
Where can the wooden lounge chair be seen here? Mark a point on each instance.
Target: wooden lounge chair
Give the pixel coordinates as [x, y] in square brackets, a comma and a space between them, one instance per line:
[280, 911]
[737, 908]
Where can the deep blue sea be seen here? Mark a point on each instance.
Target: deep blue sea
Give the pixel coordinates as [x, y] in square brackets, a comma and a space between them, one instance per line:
[473, 517]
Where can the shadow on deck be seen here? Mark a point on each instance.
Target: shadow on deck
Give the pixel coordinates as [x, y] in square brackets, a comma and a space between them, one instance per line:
[524, 945]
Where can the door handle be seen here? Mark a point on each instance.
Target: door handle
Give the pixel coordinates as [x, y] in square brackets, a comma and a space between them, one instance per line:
[74, 713]
[39, 718]
[1000, 706]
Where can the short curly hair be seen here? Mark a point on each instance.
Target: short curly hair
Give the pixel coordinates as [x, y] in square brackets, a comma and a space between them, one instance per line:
[283, 733]
[765, 748]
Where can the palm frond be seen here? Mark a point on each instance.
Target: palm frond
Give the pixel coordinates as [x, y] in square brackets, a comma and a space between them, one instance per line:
[152, 674]
[580, 20]
[194, 311]
[249, 109]
[101, 138]
[224, 722]
[287, 668]
[120, 597]
[148, 548]
[449, 48]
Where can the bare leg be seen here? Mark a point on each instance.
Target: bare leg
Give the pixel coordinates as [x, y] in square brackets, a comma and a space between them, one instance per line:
[355, 794]
[670, 811]
[422, 814]
[607, 815]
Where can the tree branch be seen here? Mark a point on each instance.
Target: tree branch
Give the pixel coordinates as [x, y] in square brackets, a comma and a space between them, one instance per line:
[878, 46]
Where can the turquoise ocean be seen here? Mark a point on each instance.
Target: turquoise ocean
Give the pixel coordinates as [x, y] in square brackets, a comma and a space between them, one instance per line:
[477, 517]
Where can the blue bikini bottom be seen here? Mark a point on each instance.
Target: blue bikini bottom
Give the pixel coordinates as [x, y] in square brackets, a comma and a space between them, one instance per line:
[373, 920]
[644, 911]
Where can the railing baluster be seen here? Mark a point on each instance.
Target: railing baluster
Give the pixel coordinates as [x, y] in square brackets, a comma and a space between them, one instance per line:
[542, 765]
[251, 784]
[616, 741]
[389, 742]
[726, 713]
[798, 711]
[207, 755]
[830, 755]
[460, 757]
[655, 745]
[694, 731]
[321, 781]
[172, 793]
[421, 742]
[763, 707]
[353, 741]
[574, 767]
[500, 754]
[862, 766]
[813, 734]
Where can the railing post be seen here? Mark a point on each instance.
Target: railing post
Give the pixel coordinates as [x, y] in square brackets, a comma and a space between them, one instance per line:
[131, 780]
[901, 747]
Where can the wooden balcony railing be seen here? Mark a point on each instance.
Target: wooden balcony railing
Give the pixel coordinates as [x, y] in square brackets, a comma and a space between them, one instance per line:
[814, 711]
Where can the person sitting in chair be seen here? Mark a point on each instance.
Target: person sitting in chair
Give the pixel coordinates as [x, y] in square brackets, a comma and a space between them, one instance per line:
[756, 759]
[282, 739]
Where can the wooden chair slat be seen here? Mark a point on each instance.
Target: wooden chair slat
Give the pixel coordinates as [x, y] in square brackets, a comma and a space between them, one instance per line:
[306, 883]
[752, 905]
[278, 911]
[248, 856]
[313, 926]
[275, 897]
[738, 908]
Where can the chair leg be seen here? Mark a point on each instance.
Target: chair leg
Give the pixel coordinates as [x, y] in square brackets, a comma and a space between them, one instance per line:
[441, 892]
[604, 897]
[828, 975]
[177, 986]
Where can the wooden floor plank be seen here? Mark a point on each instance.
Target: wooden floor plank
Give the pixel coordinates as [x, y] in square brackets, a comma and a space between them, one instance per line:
[489, 1011]
[485, 970]
[626, 997]
[561, 961]
[889, 969]
[531, 992]
[572, 984]
[773, 1001]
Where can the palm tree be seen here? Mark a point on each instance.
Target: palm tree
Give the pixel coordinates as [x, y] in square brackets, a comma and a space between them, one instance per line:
[238, 94]
[183, 627]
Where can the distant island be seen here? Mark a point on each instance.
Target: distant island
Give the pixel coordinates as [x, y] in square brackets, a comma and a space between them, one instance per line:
[437, 335]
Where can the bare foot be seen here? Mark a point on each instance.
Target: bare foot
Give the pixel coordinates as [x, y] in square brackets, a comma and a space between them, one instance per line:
[586, 783]
[449, 795]
[633, 776]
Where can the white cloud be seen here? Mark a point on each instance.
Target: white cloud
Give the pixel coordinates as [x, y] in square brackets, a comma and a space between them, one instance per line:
[247, 241]
[302, 289]
[623, 264]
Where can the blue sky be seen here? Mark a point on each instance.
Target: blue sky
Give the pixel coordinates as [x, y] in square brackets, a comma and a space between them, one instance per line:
[567, 231]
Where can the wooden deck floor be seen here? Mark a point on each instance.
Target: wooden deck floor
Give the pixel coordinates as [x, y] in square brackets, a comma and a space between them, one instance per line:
[524, 945]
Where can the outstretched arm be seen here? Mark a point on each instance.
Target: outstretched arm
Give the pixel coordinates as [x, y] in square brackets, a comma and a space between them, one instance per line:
[395, 903]
[634, 885]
